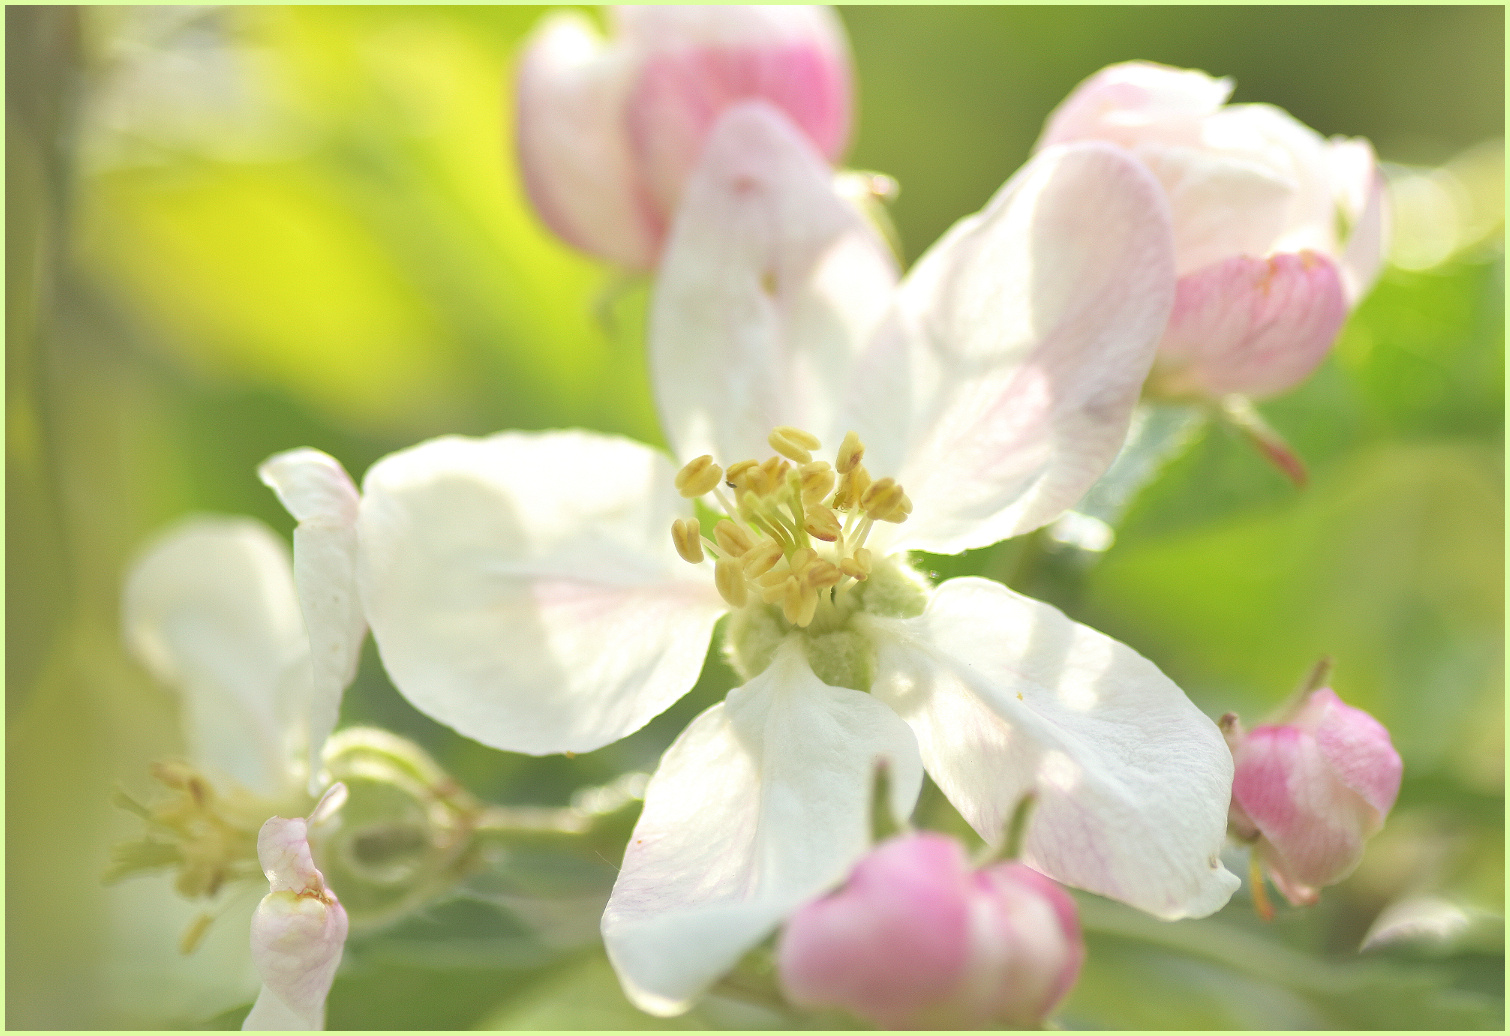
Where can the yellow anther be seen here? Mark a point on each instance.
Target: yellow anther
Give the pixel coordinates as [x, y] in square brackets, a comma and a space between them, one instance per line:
[737, 475]
[882, 499]
[821, 574]
[817, 481]
[776, 576]
[850, 452]
[822, 524]
[773, 594]
[801, 558]
[730, 582]
[794, 443]
[732, 538]
[858, 564]
[761, 558]
[688, 539]
[800, 603]
[851, 488]
[698, 477]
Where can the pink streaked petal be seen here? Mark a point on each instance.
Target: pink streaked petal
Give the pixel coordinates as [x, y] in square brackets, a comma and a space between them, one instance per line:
[893, 942]
[1251, 326]
[1356, 745]
[573, 146]
[317, 491]
[770, 284]
[1003, 385]
[1008, 696]
[760, 805]
[1313, 825]
[524, 588]
[1135, 102]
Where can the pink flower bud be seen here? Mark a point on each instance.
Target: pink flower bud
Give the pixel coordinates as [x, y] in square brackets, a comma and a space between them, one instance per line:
[608, 131]
[1266, 275]
[917, 939]
[1312, 790]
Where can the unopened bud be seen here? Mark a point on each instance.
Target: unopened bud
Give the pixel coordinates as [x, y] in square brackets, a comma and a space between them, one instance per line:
[1311, 791]
[917, 940]
[698, 477]
[688, 539]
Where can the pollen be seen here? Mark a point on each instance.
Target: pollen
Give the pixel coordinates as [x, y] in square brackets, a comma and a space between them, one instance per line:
[794, 528]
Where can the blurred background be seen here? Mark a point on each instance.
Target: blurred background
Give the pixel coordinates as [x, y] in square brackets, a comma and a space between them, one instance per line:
[232, 231]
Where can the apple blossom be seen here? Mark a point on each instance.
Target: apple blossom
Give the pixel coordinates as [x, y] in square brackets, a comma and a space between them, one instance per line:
[918, 939]
[609, 131]
[299, 929]
[523, 589]
[1309, 791]
[1266, 277]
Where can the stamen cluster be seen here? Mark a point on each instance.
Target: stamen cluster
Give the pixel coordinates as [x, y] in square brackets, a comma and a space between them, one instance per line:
[795, 530]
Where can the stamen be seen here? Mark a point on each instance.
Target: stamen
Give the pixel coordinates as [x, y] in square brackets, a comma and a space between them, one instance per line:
[772, 594]
[850, 452]
[732, 538]
[738, 474]
[822, 524]
[794, 443]
[730, 581]
[761, 558]
[857, 565]
[817, 481]
[882, 502]
[821, 575]
[698, 477]
[851, 488]
[688, 539]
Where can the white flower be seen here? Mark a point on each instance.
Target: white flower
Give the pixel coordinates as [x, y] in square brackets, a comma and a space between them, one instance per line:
[523, 588]
[211, 609]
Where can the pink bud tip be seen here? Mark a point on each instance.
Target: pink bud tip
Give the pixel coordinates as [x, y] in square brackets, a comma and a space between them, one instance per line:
[916, 939]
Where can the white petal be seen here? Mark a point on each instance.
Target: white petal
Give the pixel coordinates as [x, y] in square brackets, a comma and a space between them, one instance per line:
[573, 147]
[210, 609]
[524, 588]
[1007, 696]
[1005, 386]
[1136, 102]
[298, 932]
[318, 492]
[1364, 200]
[769, 284]
[760, 805]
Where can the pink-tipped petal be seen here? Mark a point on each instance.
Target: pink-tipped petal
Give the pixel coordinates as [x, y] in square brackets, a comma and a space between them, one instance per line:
[1004, 384]
[770, 284]
[317, 491]
[1135, 102]
[573, 143]
[1251, 326]
[1357, 746]
[298, 933]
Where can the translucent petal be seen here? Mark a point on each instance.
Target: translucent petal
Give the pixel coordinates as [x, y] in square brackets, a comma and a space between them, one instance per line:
[1008, 696]
[524, 588]
[760, 805]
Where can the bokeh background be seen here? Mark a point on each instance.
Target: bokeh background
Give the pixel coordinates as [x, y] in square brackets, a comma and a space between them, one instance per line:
[231, 231]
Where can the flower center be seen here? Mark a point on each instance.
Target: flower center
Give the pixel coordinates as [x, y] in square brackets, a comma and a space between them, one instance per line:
[790, 555]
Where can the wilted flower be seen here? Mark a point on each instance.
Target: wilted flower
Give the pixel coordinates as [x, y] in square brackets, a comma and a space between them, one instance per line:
[609, 131]
[1278, 232]
[917, 939]
[299, 929]
[524, 588]
[1308, 792]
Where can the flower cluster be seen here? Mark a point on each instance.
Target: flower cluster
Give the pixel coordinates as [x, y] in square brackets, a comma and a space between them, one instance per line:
[547, 592]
